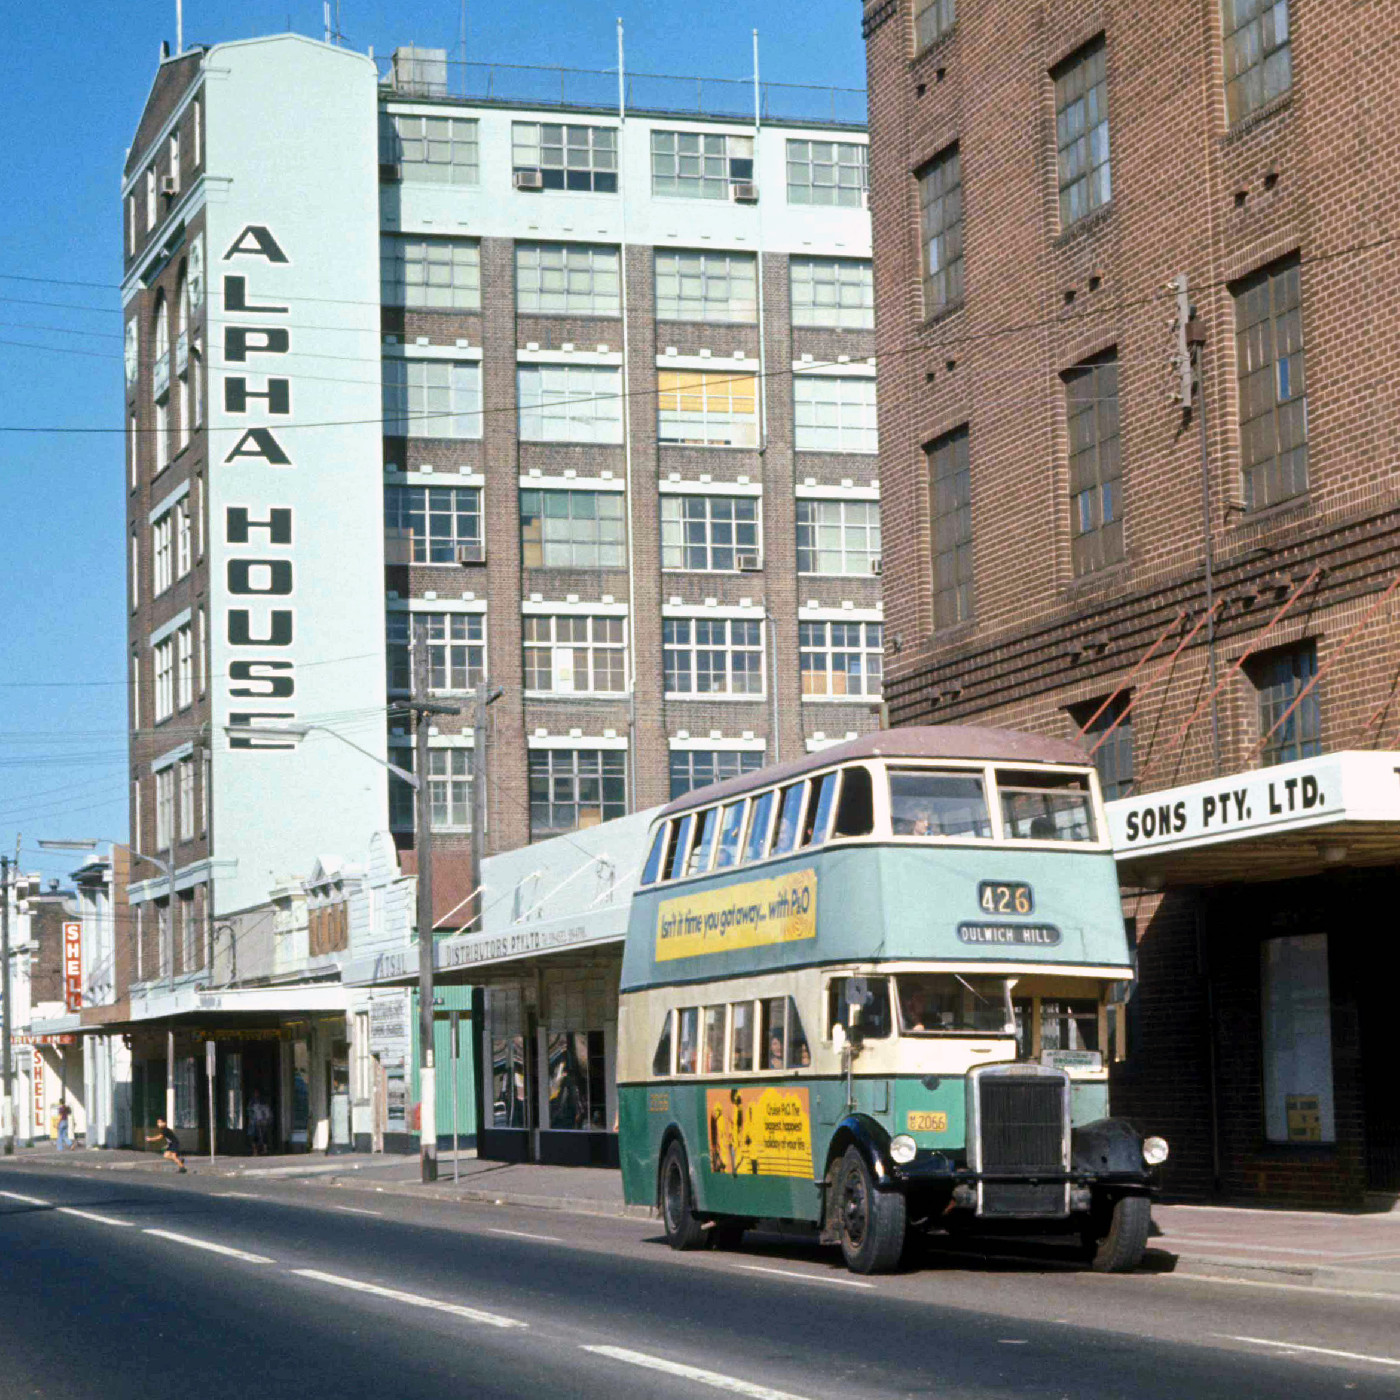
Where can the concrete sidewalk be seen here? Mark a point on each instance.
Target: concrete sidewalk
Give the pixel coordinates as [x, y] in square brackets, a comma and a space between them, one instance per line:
[1352, 1252]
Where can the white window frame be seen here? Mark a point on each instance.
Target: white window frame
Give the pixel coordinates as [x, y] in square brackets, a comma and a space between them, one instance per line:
[152, 215]
[432, 398]
[570, 403]
[162, 554]
[184, 667]
[185, 829]
[696, 284]
[164, 667]
[837, 173]
[834, 413]
[562, 654]
[576, 546]
[713, 425]
[430, 274]
[184, 548]
[679, 517]
[555, 773]
[135, 690]
[430, 546]
[722, 159]
[400, 630]
[135, 571]
[822, 505]
[450, 779]
[433, 150]
[569, 157]
[692, 647]
[568, 279]
[832, 293]
[165, 808]
[815, 639]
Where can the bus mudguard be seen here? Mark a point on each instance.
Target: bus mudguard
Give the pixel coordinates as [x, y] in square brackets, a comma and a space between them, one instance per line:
[1108, 1148]
[873, 1142]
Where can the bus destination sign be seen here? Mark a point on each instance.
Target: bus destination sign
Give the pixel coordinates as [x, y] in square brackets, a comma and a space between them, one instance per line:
[1011, 935]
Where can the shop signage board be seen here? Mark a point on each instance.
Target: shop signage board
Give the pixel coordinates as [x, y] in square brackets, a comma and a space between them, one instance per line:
[39, 1129]
[1310, 793]
[73, 966]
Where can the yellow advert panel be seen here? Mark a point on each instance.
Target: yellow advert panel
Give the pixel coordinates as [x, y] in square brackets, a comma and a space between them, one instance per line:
[752, 915]
[763, 1131]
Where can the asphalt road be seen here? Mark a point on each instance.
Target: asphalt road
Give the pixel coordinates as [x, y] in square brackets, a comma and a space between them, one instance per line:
[118, 1288]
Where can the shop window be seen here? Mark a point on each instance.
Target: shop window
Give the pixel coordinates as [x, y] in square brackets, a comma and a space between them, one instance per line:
[577, 1081]
[508, 1081]
[661, 1061]
[1297, 1016]
[186, 1092]
[233, 1091]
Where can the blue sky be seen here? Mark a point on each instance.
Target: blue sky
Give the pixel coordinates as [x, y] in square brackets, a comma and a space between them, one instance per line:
[84, 75]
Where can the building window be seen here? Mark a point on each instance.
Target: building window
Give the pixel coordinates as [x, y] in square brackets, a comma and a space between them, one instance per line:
[184, 545]
[456, 649]
[574, 279]
[1081, 132]
[183, 374]
[699, 164]
[135, 572]
[570, 403]
[1279, 678]
[941, 222]
[575, 788]
[833, 413]
[573, 530]
[1258, 57]
[162, 556]
[160, 385]
[151, 214]
[165, 678]
[950, 491]
[175, 160]
[837, 537]
[186, 1067]
[932, 20]
[713, 656]
[1273, 403]
[430, 274]
[1297, 1027]
[432, 150]
[401, 796]
[186, 831]
[449, 788]
[135, 691]
[432, 399]
[710, 534]
[184, 667]
[1095, 469]
[706, 287]
[841, 658]
[704, 409]
[570, 655]
[582, 158]
[1114, 756]
[697, 768]
[202, 654]
[827, 172]
[133, 455]
[838, 292]
[131, 225]
[165, 807]
[197, 153]
[438, 520]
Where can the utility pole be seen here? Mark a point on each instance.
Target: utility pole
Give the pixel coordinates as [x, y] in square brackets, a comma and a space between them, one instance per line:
[8, 1106]
[485, 695]
[422, 708]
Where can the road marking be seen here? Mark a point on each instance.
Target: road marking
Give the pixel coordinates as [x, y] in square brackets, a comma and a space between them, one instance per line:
[524, 1235]
[28, 1200]
[357, 1210]
[1256, 1283]
[1268, 1248]
[1319, 1351]
[209, 1245]
[694, 1373]
[1014, 1341]
[235, 1196]
[90, 1215]
[806, 1278]
[414, 1300]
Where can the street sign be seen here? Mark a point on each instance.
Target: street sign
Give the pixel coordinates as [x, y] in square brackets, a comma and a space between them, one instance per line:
[73, 966]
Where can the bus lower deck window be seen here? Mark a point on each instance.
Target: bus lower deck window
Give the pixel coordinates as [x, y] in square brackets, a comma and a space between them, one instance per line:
[661, 1061]
[712, 1060]
[874, 1011]
[783, 1040]
[741, 1051]
[925, 803]
[1046, 806]
[688, 1039]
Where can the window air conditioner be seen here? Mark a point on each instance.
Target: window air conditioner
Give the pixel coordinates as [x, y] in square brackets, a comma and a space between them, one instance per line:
[744, 192]
[471, 553]
[169, 186]
[877, 565]
[529, 179]
[748, 564]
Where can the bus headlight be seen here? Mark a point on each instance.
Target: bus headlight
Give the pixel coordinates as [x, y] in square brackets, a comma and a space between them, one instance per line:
[1154, 1151]
[903, 1148]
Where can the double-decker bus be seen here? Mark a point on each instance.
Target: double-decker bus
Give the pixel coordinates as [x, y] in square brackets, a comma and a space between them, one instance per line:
[872, 989]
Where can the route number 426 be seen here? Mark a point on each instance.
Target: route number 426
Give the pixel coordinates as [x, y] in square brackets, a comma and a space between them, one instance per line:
[1005, 897]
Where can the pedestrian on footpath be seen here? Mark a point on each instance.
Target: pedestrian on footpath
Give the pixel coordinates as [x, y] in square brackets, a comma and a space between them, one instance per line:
[65, 1125]
[172, 1143]
[260, 1121]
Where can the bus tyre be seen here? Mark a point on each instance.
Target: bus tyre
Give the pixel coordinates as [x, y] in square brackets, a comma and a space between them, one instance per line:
[1120, 1247]
[683, 1230]
[871, 1223]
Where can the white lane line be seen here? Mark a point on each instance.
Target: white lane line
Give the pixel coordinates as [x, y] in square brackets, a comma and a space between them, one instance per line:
[525, 1235]
[694, 1373]
[209, 1245]
[1374, 1297]
[414, 1300]
[92, 1215]
[28, 1200]
[806, 1278]
[235, 1196]
[1265, 1248]
[357, 1210]
[1318, 1351]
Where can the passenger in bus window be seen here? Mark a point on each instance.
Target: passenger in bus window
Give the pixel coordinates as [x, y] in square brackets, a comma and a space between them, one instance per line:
[799, 1056]
[774, 1031]
[924, 803]
[788, 816]
[730, 830]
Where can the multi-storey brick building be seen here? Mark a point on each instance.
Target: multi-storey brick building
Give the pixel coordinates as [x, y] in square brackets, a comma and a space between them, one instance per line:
[580, 400]
[1197, 577]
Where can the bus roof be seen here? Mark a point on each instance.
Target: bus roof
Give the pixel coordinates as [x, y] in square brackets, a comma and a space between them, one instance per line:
[961, 741]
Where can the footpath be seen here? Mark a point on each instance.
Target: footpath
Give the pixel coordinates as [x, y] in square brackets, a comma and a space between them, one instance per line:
[1356, 1252]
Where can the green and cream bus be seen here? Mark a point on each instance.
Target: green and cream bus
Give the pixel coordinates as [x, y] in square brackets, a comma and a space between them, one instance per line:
[872, 989]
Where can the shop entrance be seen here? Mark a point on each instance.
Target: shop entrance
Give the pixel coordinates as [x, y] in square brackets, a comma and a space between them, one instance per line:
[1380, 1090]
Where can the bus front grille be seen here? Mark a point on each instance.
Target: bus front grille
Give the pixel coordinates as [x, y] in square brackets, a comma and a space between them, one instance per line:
[1022, 1123]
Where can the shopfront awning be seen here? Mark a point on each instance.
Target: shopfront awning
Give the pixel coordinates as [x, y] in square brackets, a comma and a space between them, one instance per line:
[1295, 819]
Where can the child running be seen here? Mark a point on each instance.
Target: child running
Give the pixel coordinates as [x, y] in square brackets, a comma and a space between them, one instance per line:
[172, 1143]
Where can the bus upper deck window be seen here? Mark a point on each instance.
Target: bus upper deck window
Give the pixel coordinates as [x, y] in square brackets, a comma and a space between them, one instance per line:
[855, 811]
[926, 803]
[688, 1041]
[819, 810]
[874, 1011]
[699, 861]
[661, 1061]
[680, 844]
[758, 826]
[731, 831]
[790, 810]
[1046, 806]
[652, 869]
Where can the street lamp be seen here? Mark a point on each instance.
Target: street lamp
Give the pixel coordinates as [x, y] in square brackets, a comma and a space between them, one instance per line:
[300, 731]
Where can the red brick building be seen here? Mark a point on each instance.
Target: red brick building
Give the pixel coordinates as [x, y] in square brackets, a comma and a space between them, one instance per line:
[1074, 536]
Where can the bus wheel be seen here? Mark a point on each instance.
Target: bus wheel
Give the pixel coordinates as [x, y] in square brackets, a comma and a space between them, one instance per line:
[1116, 1243]
[871, 1222]
[683, 1230]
